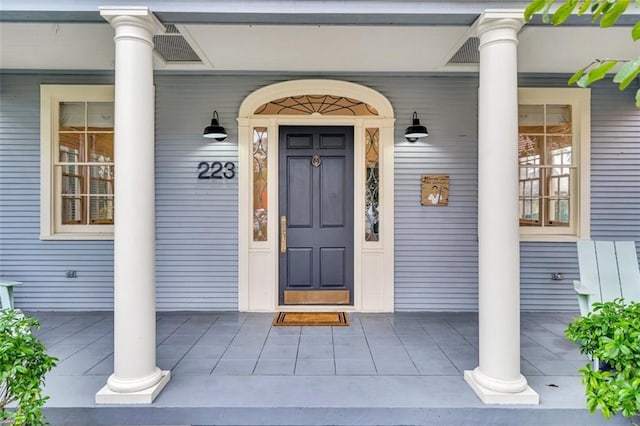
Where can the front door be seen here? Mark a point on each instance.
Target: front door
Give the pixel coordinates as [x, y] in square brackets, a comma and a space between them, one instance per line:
[316, 215]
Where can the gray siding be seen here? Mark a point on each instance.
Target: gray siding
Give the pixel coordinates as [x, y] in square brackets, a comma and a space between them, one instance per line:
[436, 247]
[436, 263]
[615, 197]
[23, 257]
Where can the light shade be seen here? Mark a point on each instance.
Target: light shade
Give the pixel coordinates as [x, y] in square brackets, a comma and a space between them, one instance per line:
[416, 130]
[215, 130]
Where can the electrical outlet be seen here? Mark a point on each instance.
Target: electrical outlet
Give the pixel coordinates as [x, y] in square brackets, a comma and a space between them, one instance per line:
[71, 274]
[557, 276]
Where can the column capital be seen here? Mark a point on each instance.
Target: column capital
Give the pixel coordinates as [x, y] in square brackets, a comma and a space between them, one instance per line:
[495, 19]
[137, 17]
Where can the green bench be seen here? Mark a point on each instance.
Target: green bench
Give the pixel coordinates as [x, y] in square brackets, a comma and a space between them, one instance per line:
[6, 293]
[608, 270]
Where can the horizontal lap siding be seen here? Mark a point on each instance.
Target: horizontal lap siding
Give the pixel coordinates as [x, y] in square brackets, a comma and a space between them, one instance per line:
[615, 197]
[615, 164]
[435, 247]
[41, 265]
[196, 219]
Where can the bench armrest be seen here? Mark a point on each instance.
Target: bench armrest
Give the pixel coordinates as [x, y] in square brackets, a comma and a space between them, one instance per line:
[583, 289]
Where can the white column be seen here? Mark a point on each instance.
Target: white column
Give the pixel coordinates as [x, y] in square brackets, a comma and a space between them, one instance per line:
[497, 379]
[136, 378]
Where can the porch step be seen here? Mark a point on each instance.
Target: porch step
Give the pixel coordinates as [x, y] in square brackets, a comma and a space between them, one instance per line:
[246, 416]
[320, 400]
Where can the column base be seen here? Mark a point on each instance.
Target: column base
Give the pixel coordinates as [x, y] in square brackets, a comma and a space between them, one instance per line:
[145, 396]
[526, 397]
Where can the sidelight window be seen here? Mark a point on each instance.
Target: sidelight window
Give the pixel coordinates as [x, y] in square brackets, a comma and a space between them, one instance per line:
[260, 207]
[372, 184]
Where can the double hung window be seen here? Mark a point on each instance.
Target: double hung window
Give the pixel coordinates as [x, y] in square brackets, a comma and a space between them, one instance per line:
[553, 158]
[77, 150]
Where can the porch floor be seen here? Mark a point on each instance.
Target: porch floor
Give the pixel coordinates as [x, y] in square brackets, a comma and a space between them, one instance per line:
[383, 369]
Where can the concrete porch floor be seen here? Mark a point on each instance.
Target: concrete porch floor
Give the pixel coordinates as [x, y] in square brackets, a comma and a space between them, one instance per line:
[384, 369]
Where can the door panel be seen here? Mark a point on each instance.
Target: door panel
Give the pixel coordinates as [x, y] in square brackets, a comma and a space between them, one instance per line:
[299, 192]
[316, 195]
[333, 196]
[300, 267]
[332, 267]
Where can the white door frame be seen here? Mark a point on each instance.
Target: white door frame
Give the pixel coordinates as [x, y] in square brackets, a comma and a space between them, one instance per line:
[258, 260]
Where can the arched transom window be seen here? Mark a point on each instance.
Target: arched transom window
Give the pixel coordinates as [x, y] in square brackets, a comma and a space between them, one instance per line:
[316, 104]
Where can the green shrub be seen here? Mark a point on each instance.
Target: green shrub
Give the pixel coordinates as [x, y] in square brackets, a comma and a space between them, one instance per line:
[611, 334]
[23, 365]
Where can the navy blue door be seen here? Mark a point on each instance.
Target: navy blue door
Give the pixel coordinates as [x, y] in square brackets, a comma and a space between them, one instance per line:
[316, 215]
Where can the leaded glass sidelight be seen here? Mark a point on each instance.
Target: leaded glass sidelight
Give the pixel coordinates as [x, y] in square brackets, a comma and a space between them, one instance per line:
[260, 218]
[372, 184]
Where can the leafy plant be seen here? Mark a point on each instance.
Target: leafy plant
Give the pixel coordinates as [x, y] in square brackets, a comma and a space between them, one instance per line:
[607, 13]
[611, 334]
[23, 365]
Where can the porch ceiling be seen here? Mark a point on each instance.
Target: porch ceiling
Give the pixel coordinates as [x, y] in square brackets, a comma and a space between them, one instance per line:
[309, 48]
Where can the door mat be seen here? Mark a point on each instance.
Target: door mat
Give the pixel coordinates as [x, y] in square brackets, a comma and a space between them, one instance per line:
[311, 319]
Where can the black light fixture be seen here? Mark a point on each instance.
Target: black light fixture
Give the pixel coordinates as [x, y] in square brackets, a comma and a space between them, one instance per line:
[416, 130]
[215, 130]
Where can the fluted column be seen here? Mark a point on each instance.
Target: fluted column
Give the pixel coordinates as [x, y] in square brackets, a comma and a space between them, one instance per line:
[136, 378]
[497, 379]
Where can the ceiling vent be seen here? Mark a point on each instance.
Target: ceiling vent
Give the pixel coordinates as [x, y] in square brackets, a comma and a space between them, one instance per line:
[173, 47]
[468, 52]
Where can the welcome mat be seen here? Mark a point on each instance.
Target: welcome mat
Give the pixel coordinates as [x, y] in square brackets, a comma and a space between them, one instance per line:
[311, 319]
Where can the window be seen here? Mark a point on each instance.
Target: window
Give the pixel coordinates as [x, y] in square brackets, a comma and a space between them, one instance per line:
[77, 162]
[260, 193]
[372, 184]
[553, 157]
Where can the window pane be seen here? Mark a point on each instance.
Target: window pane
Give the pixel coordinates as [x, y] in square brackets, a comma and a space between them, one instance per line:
[72, 179]
[100, 116]
[101, 180]
[100, 147]
[530, 148]
[372, 188]
[531, 118]
[558, 119]
[73, 210]
[558, 212]
[260, 210]
[72, 116]
[71, 182]
[564, 186]
[101, 210]
[535, 209]
[564, 212]
[530, 211]
[71, 147]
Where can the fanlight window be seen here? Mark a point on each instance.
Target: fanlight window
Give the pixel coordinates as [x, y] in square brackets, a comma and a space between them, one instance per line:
[316, 104]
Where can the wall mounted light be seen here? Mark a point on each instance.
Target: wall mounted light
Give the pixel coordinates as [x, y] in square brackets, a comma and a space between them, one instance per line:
[215, 130]
[416, 130]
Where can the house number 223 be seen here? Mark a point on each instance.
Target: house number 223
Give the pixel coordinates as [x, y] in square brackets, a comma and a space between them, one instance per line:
[216, 170]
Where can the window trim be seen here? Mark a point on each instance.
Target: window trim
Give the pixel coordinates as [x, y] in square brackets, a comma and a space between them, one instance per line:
[580, 101]
[51, 95]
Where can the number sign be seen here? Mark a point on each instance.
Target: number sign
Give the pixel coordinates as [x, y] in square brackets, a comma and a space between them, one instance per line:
[216, 170]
